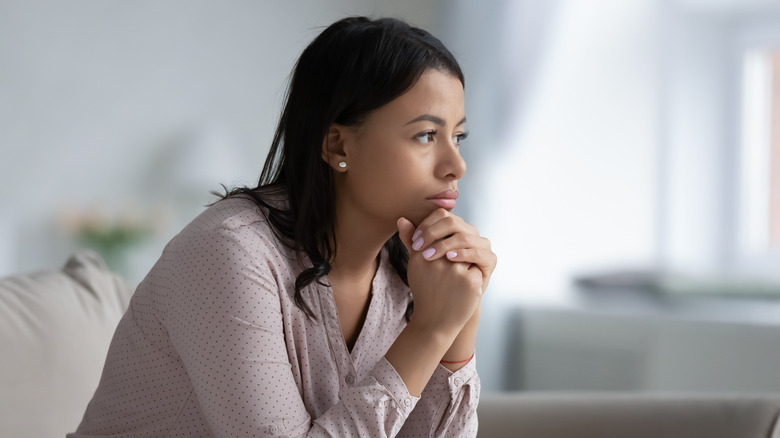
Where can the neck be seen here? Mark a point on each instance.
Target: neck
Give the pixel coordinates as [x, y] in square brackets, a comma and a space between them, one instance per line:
[359, 240]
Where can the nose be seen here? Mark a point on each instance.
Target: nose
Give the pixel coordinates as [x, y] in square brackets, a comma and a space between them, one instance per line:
[450, 166]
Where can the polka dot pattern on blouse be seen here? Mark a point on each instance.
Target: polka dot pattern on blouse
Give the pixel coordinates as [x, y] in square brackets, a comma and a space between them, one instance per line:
[212, 345]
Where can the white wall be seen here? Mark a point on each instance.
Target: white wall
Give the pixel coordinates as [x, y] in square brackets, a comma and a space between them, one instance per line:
[700, 118]
[618, 146]
[575, 184]
[97, 98]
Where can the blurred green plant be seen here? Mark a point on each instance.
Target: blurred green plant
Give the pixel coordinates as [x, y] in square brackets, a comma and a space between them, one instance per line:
[111, 235]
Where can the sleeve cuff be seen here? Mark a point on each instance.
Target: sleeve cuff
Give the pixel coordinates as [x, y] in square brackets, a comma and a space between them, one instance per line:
[444, 379]
[386, 375]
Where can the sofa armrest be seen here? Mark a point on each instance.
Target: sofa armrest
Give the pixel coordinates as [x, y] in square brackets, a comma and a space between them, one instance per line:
[635, 415]
[55, 329]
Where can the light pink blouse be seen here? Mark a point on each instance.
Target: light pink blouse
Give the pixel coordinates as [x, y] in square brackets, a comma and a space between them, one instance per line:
[213, 345]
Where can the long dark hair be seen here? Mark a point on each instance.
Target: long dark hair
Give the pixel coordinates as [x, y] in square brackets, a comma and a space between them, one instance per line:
[354, 66]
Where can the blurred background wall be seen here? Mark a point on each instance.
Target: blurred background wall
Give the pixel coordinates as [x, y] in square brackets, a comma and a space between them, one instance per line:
[138, 109]
[607, 136]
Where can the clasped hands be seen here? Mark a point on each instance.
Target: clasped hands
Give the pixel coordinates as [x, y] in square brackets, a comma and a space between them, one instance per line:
[449, 269]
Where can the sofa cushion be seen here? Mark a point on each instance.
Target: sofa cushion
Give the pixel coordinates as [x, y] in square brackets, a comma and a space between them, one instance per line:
[55, 328]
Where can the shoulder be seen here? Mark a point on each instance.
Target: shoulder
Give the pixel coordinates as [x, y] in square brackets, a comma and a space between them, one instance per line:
[228, 247]
[237, 221]
[232, 214]
[240, 211]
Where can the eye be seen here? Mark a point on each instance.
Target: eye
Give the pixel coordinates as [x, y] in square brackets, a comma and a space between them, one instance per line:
[425, 137]
[460, 137]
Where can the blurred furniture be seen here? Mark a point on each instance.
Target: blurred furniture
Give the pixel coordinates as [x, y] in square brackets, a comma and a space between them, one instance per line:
[624, 340]
[628, 415]
[8, 233]
[55, 328]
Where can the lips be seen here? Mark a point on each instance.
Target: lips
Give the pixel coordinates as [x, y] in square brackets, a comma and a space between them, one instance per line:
[447, 194]
[445, 199]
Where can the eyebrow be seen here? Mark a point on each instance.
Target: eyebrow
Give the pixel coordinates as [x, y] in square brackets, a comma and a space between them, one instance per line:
[437, 120]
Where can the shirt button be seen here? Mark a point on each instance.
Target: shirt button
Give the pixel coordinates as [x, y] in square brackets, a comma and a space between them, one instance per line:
[350, 379]
[273, 429]
[407, 402]
[457, 381]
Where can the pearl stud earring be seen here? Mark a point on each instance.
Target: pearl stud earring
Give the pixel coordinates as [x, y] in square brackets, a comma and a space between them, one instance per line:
[343, 164]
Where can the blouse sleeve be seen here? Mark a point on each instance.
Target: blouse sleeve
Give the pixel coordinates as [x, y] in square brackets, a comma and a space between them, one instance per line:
[227, 328]
[448, 406]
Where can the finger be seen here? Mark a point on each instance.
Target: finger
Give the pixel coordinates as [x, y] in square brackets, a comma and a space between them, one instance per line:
[441, 247]
[454, 242]
[476, 278]
[437, 225]
[485, 260]
[405, 231]
[449, 225]
[441, 218]
[432, 218]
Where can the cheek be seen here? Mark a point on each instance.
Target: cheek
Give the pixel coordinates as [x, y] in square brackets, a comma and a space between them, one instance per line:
[387, 163]
[392, 179]
[400, 173]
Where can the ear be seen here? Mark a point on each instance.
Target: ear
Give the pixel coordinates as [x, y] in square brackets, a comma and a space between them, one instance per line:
[334, 147]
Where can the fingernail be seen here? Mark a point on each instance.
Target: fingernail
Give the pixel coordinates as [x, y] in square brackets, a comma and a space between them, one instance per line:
[417, 244]
[416, 234]
[428, 253]
[451, 254]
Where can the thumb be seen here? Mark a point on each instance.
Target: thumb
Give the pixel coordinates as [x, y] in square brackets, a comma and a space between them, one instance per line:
[405, 231]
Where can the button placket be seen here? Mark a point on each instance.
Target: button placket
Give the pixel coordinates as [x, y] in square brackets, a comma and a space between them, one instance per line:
[338, 346]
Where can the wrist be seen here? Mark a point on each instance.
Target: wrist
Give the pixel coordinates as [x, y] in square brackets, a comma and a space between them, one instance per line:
[456, 364]
[453, 362]
[416, 353]
[463, 345]
[436, 337]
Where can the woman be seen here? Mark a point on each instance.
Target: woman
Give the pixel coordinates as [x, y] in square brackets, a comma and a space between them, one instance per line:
[286, 309]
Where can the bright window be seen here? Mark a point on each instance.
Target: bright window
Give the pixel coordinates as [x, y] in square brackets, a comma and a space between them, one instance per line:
[760, 158]
[774, 153]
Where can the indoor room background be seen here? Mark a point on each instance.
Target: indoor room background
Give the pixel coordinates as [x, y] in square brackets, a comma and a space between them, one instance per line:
[624, 159]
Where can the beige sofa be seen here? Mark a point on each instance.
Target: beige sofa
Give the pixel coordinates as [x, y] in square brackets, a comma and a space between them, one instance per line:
[55, 327]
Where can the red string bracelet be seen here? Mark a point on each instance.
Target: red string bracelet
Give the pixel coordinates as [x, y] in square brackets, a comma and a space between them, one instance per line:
[459, 361]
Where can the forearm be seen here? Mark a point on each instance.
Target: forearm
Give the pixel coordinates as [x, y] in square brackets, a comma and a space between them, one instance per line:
[464, 344]
[447, 406]
[416, 353]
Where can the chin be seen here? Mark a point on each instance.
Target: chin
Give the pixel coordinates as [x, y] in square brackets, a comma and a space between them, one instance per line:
[416, 213]
[419, 215]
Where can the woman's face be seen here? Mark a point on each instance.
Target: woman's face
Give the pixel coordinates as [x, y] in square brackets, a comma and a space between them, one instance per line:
[403, 160]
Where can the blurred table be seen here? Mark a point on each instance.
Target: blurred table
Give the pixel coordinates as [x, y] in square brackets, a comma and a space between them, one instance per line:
[637, 340]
